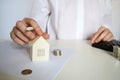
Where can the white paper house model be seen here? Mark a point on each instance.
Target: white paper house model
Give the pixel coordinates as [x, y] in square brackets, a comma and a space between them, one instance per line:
[39, 49]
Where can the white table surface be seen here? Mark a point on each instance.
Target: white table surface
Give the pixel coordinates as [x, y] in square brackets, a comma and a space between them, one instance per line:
[86, 63]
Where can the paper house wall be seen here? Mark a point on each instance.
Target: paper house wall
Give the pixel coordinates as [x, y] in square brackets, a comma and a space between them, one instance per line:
[39, 49]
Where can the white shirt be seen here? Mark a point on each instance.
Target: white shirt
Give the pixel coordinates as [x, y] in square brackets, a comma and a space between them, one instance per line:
[71, 19]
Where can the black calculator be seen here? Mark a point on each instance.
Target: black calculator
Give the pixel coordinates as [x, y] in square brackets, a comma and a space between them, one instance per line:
[108, 46]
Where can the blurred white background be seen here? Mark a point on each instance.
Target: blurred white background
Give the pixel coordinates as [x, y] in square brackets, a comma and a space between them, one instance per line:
[10, 12]
[13, 10]
[116, 18]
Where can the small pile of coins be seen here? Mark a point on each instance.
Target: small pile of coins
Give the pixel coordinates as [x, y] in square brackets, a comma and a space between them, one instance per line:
[116, 52]
[57, 52]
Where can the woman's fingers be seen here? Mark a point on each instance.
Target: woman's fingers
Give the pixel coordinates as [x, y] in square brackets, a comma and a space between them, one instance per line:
[22, 27]
[102, 34]
[16, 39]
[20, 35]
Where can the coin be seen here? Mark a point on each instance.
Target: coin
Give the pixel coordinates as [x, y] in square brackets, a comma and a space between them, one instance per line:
[57, 52]
[26, 71]
[29, 28]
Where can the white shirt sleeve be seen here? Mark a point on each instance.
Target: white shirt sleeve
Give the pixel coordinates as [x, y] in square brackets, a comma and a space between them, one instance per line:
[40, 13]
[107, 13]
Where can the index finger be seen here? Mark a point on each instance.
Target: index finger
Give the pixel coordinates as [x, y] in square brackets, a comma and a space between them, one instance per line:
[97, 34]
[33, 23]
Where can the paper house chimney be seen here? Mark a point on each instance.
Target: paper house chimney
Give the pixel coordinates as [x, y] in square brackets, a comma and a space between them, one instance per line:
[39, 49]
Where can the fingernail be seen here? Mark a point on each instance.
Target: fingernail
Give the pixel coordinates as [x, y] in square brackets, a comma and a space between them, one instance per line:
[92, 41]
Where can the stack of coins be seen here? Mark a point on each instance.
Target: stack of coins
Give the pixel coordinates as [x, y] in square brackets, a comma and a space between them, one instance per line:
[116, 52]
[57, 52]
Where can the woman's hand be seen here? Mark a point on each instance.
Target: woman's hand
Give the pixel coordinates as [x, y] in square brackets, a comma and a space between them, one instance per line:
[103, 34]
[21, 36]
